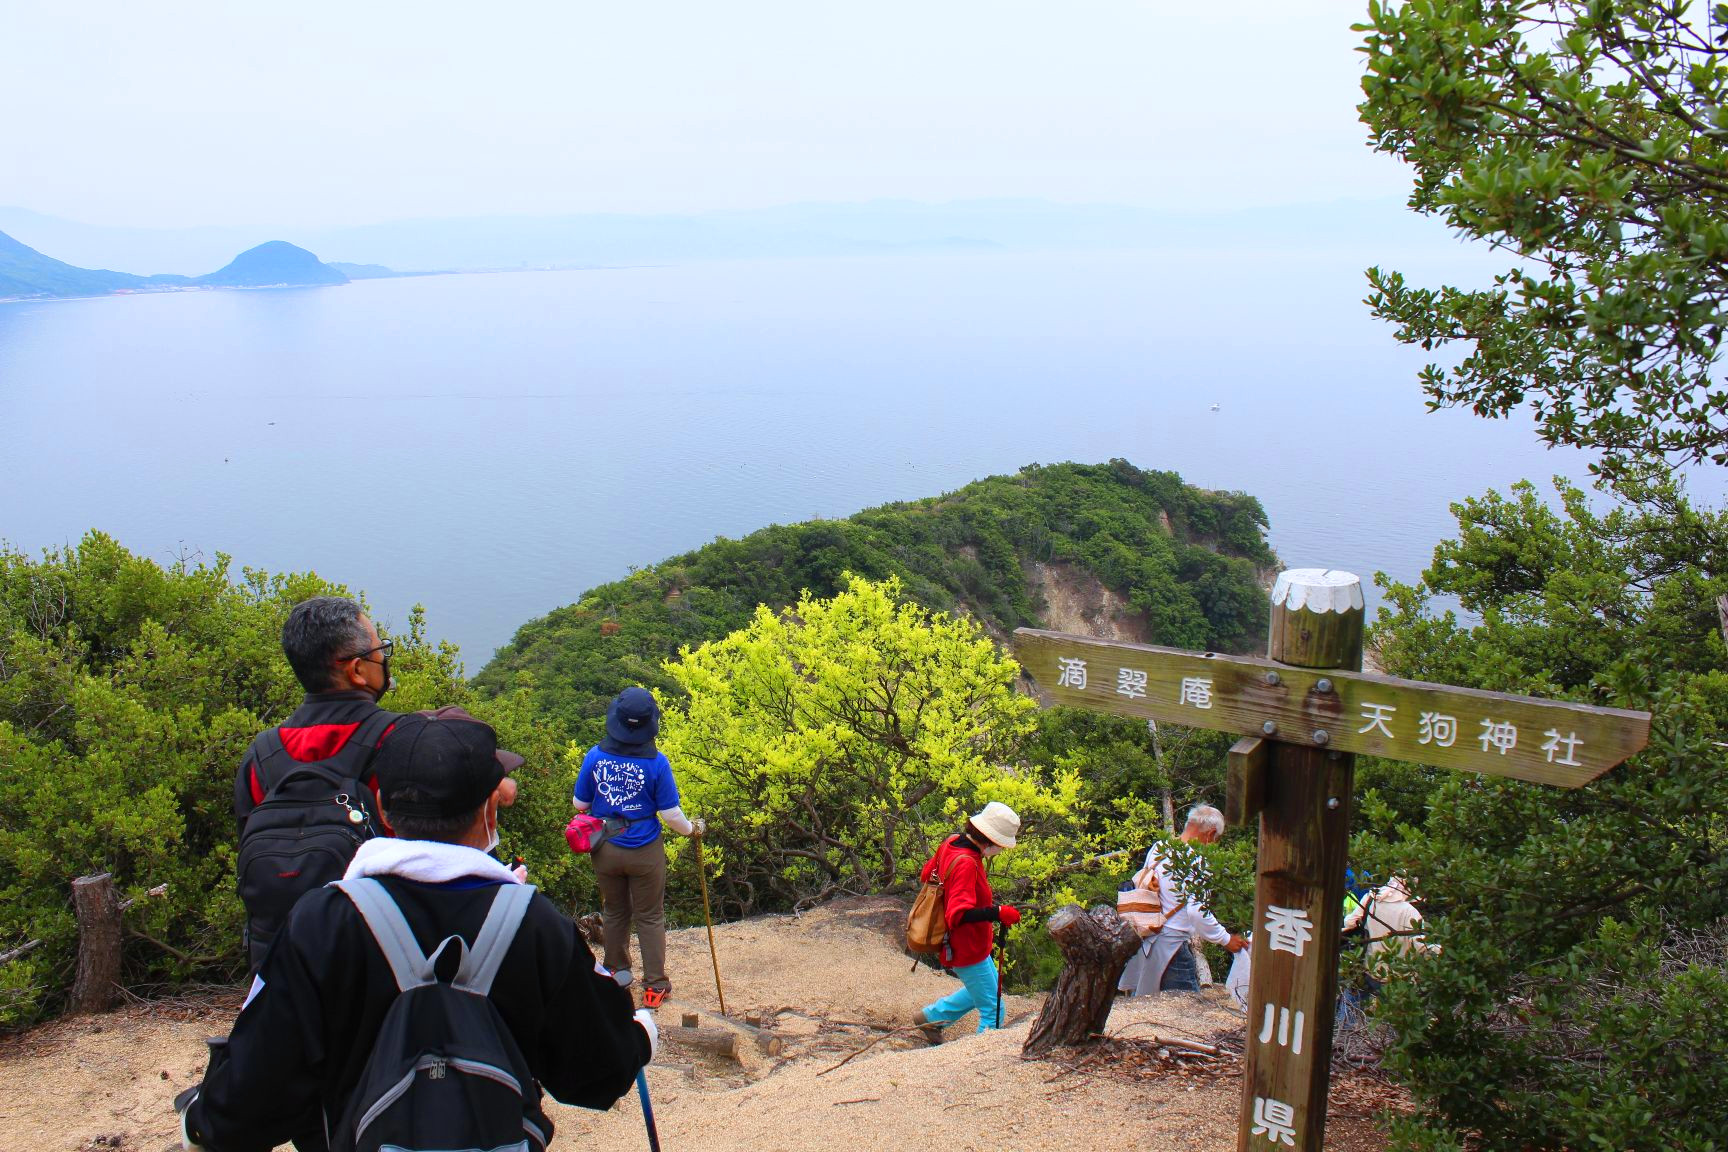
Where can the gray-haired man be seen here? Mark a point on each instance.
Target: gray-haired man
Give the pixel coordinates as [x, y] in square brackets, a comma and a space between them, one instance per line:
[1165, 962]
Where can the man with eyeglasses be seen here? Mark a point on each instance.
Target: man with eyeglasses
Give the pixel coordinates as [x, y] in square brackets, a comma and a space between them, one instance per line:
[345, 669]
[306, 794]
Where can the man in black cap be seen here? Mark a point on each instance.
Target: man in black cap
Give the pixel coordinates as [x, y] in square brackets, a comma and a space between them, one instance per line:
[308, 1026]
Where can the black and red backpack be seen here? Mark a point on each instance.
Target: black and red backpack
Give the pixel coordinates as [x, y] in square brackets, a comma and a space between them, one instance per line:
[302, 835]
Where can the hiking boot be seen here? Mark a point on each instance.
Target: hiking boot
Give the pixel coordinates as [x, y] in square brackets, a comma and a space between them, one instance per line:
[655, 995]
[931, 1029]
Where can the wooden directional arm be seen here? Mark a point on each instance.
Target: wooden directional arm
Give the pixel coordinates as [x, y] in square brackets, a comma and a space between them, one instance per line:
[1546, 741]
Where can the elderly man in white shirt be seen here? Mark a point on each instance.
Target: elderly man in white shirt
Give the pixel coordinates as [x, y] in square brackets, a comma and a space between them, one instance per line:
[1165, 962]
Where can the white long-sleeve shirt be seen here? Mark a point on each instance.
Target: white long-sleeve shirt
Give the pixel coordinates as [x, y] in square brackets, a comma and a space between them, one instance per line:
[1194, 919]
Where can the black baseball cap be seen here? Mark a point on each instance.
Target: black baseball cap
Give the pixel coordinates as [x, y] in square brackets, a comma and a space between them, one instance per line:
[440, 763]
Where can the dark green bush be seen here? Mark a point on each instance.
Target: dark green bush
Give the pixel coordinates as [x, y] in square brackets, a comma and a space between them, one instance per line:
[128, 694]
[1576, 1001]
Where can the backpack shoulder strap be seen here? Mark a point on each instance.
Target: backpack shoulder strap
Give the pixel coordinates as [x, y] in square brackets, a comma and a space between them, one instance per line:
[940, 877]
[357, 753]
[395, 939]
[480, 963]
[268, 743]
[266, 748]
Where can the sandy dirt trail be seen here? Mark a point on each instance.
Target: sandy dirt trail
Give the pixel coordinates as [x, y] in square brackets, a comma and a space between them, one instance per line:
[79, 1085]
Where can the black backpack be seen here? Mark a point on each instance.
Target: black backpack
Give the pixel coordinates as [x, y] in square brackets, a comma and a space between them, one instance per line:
[307, 828]
[444, 1072]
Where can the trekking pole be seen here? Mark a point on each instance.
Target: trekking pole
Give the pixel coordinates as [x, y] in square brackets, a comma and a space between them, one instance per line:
[623, 980]
[708, 919]
[647, 1108]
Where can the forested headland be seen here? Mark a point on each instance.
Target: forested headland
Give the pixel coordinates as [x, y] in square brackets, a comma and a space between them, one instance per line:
[1164, 562]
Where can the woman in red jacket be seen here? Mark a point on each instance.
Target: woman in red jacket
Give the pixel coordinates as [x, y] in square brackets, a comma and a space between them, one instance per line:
[971, 913]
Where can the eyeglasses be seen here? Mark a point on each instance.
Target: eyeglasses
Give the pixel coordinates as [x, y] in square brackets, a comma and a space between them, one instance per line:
[386, 648]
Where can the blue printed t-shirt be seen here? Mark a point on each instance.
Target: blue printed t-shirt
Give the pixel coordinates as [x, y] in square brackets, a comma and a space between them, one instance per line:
[634, 787]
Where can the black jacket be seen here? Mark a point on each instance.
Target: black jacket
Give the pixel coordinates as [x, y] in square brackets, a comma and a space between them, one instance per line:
[297, 1050]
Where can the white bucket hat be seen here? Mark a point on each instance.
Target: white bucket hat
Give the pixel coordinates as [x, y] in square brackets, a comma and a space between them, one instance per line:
[999, 823]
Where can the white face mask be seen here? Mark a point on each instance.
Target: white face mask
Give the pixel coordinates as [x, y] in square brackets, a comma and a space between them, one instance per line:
[492, 838]
[989, 849]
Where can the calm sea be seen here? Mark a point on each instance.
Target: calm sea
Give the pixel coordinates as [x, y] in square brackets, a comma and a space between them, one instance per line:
[492, 445]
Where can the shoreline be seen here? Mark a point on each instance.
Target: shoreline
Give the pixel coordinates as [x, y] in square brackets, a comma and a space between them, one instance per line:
[173, 288]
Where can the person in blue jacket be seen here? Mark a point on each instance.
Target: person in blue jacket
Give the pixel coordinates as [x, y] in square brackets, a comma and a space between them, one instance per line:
[627, 782]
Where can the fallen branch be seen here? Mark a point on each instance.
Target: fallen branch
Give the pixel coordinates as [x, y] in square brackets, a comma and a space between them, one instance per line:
[861, 1051]
[13, 954]
[159, 890]
[860, 1024]
[1171, 1042]
[1076, 865]
[183, 957]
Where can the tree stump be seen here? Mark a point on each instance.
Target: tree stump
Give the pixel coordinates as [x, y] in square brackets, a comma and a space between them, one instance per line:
[97, 986]
[1095, 945]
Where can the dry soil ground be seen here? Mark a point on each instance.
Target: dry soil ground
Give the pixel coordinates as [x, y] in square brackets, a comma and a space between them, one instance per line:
[833, 982]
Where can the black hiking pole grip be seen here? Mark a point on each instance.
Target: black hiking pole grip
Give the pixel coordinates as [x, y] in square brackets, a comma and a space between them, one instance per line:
[1001, 944]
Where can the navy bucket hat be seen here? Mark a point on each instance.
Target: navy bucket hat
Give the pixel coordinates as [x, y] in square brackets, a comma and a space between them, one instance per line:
[633, 718]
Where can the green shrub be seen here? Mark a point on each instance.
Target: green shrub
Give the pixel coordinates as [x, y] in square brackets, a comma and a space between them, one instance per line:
[128, 694]
[1574, 1004]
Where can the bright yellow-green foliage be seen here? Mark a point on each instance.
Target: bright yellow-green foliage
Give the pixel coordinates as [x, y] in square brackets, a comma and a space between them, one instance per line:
[833, 745]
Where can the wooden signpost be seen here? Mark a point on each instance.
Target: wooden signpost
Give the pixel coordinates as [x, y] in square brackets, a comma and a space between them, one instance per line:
[1305, 712]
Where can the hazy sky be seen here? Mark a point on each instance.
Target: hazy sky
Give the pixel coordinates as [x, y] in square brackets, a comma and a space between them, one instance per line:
[310, 113]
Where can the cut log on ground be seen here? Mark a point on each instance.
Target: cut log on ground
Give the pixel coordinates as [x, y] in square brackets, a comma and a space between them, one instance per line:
[1186, 1046]
[1095, 945]
[97, 986]
[761, 1035]
[721, 1042]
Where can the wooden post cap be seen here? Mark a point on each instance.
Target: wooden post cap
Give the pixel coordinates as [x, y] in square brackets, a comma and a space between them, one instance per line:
[1317, 618]
[1318, 590]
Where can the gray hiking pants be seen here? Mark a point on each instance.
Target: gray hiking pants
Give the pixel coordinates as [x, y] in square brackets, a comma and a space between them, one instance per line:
[633, 887]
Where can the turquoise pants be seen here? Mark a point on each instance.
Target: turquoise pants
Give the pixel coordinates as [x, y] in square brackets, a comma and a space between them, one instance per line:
[977, 990]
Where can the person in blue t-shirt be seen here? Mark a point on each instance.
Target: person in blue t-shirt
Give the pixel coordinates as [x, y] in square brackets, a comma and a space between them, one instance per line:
[628, 783]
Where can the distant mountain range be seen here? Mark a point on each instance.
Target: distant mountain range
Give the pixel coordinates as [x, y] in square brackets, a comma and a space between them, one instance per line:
[1370, 229]
[27, 273]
